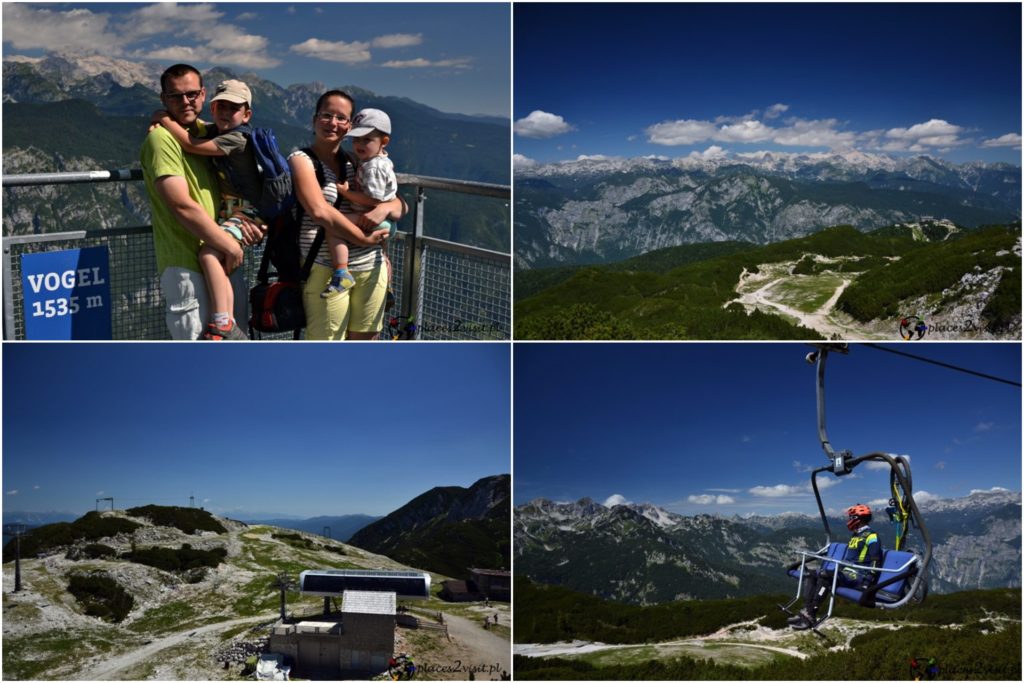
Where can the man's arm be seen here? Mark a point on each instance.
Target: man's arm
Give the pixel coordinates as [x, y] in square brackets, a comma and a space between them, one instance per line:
[173, 191]
[188, 142]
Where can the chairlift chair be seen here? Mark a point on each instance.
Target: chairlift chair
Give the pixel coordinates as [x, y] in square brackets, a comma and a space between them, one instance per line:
[902, 576]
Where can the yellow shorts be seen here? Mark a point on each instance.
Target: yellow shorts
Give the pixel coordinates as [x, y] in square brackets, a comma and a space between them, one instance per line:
[359, 309]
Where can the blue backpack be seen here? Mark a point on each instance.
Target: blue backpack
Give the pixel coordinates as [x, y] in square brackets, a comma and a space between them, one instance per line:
[277, 195]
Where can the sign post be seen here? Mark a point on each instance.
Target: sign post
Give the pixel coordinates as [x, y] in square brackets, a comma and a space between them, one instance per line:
[67, 294]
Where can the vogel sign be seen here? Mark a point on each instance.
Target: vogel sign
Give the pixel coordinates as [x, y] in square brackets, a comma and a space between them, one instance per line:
[67, 294]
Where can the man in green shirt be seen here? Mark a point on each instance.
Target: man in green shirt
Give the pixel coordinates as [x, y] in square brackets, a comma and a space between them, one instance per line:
[184, 195]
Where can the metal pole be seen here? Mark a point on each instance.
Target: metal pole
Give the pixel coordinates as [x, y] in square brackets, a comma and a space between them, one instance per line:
[412, 265]
[8, 280]
[822, 433]
[18, 531]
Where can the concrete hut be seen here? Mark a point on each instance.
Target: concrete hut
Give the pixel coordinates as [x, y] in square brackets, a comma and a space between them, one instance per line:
[358, 640]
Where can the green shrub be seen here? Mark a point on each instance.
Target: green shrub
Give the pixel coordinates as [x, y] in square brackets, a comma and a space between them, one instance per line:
[189, 520]
[182, 559]
[91, 526]
[101, 596]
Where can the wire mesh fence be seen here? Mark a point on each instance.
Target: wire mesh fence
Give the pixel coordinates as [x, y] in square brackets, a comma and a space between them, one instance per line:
[449, 290]
[463, 296]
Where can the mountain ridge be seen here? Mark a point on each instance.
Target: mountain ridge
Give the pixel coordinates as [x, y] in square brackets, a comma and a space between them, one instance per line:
[643, 554]
[596, 210]
[447, 529]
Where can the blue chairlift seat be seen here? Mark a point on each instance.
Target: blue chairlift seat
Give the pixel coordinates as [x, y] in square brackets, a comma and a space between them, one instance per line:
[894, 584]
[835, 551]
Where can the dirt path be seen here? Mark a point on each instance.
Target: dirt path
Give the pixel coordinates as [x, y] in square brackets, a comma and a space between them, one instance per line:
[819, 320]
[580, 647]
[107, 669]
[489, 648]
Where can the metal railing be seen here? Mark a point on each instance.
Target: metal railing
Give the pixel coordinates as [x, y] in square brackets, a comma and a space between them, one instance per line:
[450, 290]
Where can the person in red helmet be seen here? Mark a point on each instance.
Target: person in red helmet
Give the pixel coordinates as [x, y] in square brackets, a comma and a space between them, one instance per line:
[863, 549]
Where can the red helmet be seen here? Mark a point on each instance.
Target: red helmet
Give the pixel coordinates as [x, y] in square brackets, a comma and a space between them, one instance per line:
[857, 515]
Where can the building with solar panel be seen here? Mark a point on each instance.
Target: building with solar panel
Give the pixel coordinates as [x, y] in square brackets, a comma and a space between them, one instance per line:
[358, 640]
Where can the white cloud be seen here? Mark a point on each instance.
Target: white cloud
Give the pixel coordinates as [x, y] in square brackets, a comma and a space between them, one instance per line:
[420, 63]
[984, 426]
[713, 152]
[994, 489]
[922, 137]
[707, 499]
[924, 497]
[398, 40]
[778, 491]
[336, 51]
[820, 133]
[36, 487]
[876, 465]
[246, 16]
[684, 132]
[725, 490]
[1008, 140]
[28, 27]
[541, 124]
[593, 157]
[776, 110]
[211, 39]
[922, 130]
[12, 492]
[520, 161]
[744, 131]
[940, 465]
[826, 483]
[615, 499]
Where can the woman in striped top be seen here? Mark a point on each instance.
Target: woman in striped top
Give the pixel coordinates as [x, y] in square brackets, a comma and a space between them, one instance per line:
[358, 313]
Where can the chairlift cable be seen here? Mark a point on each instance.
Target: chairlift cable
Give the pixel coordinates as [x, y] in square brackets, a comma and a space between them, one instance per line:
[944, 365]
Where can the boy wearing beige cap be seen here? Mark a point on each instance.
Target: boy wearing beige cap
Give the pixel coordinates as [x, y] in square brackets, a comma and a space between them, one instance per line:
[232, 107]
[375, 177]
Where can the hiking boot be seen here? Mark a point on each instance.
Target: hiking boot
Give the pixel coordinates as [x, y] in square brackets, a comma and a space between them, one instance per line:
[231, 333]
[801, 622]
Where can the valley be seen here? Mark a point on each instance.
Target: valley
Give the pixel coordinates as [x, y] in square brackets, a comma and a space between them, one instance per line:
[836, 283]
[808, 300]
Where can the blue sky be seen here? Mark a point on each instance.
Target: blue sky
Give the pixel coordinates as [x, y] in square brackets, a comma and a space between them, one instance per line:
[732, 428]
[303, 430]
[675, 79]
[452, 56]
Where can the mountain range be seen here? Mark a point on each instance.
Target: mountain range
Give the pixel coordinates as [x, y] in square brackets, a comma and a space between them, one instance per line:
[448, 529]
[643, 554]
[598, 210]
[71, 113]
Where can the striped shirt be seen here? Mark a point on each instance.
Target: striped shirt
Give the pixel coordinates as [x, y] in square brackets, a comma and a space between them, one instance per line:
[359, 258]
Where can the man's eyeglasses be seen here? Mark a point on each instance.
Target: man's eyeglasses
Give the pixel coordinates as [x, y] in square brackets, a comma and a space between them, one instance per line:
[191, 95]
[327, 117]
